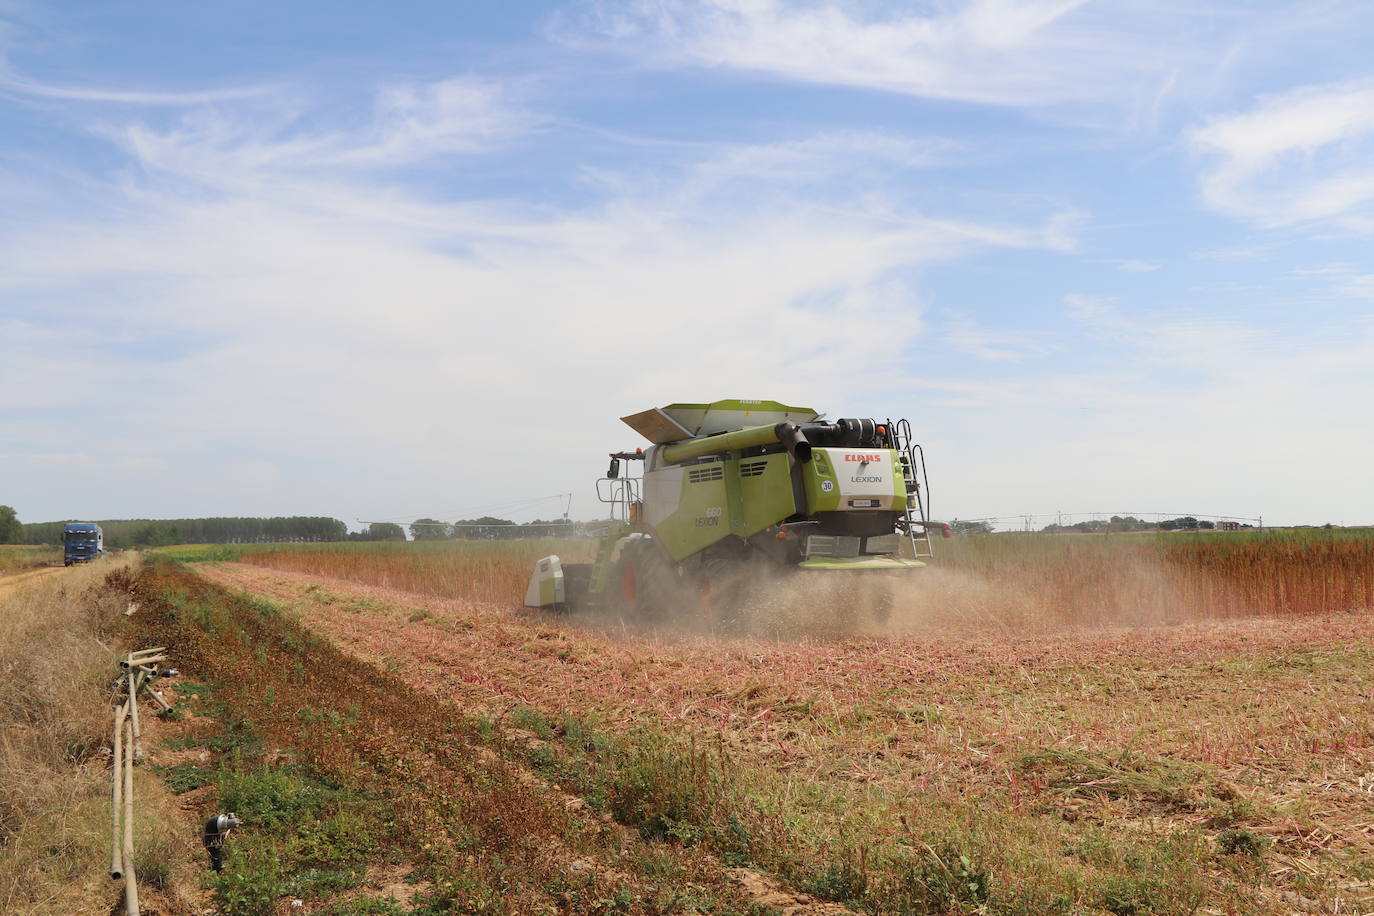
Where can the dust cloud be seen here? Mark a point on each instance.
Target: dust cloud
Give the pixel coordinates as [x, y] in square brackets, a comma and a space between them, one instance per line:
[1133, 590]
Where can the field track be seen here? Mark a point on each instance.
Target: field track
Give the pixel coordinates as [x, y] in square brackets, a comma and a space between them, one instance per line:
[9, 583]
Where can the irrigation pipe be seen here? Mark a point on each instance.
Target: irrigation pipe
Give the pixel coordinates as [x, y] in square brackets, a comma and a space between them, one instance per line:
[134, 661]
[147, 684]
[133, 710]
[116, 850]
[136, 674]
[130, 879]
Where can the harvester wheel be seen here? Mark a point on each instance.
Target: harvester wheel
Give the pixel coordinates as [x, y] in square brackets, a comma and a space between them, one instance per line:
[643, 585]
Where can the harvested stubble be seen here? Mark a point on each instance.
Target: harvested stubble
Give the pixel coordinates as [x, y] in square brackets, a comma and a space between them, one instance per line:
[1076, 771]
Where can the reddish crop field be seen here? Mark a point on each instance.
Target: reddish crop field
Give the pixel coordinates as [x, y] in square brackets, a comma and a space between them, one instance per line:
[1047, 750]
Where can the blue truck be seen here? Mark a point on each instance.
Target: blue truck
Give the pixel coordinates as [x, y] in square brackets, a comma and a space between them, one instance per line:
[81, 542]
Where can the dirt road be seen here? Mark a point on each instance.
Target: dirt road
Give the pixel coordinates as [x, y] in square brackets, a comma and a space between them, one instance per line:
[9, 583]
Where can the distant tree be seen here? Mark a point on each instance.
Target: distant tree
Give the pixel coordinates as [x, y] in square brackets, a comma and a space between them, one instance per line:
[966, 528]
[553, 528]
[486, 528]
[11, 531]
[429, 529]
[384, 531]
[1206, 526]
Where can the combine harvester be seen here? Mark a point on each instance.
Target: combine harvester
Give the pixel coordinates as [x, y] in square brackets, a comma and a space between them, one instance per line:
[738, 496]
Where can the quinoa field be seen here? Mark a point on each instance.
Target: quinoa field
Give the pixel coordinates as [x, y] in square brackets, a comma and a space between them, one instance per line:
[1126, 725]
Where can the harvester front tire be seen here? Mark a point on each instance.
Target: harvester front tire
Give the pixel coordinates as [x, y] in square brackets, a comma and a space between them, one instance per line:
[643, 585]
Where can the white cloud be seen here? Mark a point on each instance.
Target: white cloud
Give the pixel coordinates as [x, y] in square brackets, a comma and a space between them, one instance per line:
[302, 315]
[15, 82]
[23, 86]
[1304, 157]
[1177, 340]
[963, 334]
[1170, 411]
[1361, 287]
[1322, 270]
[1007, 52]
[1133, 265]
[409, 124]
[1236, 253]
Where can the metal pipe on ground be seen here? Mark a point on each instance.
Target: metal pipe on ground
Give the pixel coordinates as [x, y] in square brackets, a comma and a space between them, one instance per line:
[132, 662]
[147, 684]
[130, 879]
[117, 792]
[133, 711]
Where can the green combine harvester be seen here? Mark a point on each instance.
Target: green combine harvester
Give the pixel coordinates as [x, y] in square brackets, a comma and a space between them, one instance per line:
[737, 495]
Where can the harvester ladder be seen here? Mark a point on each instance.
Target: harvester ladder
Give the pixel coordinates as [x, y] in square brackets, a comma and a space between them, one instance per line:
[622, 495]
[914, 470]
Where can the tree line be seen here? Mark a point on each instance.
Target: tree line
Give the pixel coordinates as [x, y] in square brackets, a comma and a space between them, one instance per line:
[244, 530]
[1131, 523]
[162, 532]
[488, 528]
[1116, 523]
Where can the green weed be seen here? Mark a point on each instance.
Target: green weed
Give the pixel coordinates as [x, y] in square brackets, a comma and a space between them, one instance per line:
[183, 777]
[1242, 842]
[367, 906]
[252, 880]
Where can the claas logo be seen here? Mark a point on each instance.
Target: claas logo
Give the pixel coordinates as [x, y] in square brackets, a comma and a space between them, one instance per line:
[866, 459]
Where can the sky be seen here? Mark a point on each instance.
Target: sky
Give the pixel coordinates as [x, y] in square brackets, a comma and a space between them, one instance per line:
[380, 262]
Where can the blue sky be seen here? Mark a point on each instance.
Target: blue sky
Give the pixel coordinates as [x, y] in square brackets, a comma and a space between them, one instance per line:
[348, 260]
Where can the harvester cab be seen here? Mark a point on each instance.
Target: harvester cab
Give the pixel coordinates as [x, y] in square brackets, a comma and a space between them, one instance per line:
[733, 494]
